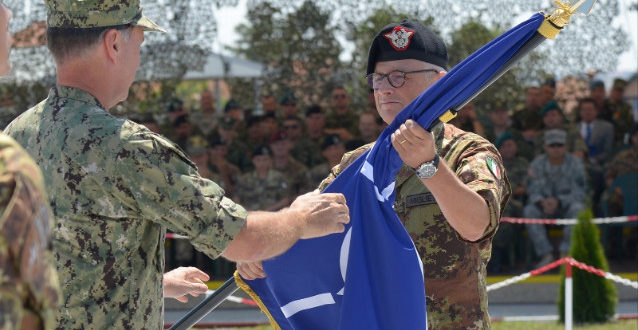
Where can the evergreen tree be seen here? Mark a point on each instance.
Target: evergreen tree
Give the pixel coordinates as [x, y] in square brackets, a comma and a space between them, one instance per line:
[594, 297]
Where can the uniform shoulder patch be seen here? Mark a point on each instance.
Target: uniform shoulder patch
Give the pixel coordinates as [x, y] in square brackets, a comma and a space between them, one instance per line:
[493, 166]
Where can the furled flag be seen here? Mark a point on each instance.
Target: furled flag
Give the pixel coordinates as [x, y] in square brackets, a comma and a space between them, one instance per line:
[370, 276]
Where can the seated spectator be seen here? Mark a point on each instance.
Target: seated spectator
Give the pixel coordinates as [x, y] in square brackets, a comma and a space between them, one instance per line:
[504, 244]
[237, 151]
[197, 150]
[342, 120]
[467, 120]
[597, 93]
[306, 148]
[221, 170]
[368, 131]
[556, 189]
[528, 118]
[553, 118]
[625, 162]
[288, 104]
[254, 133]
[269, 104]
[297, 175]
[269, 126]
[332, 148]
[621, 115]
[205, 118]
[501, 124]
[598, 135]
[263, 188]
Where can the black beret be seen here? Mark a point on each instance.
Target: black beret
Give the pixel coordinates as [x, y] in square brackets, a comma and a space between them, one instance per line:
[262, 150]
[330, 140]
[313, 109]
[407, 40]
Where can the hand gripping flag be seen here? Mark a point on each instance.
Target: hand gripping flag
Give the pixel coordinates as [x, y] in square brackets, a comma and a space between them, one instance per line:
[370, 276]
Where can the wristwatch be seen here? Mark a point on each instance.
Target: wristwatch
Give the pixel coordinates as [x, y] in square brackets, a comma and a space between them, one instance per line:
[428, 169]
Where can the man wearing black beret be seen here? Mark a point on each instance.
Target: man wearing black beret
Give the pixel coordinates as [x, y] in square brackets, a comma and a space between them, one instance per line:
[443, 170]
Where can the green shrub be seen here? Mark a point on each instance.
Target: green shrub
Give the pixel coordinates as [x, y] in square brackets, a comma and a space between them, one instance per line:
[594, 297]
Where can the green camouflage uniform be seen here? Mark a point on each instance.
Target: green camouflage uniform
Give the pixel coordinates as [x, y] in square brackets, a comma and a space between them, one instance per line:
[622, 118]
[114, 188]
[308, 151]
[29, 289]
[623, 163]
[297, 176]
[260, 194]
[516, 170]
[454, 269]
[349, 121]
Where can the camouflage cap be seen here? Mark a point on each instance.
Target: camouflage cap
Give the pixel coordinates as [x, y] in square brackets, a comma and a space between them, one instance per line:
[84, 14]
[619, 84]
[555, 136]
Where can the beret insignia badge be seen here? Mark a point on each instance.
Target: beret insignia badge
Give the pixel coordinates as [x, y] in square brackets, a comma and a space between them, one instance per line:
[399, 38]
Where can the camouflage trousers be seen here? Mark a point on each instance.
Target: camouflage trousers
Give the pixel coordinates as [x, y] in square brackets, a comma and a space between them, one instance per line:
[538, 233]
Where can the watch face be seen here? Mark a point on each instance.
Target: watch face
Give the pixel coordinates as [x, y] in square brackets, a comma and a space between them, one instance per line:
[426, 171]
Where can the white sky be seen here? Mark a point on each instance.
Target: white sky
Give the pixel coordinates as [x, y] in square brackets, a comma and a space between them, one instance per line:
[229, 17]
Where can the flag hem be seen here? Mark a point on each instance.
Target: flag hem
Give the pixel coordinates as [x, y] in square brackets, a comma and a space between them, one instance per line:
[240, 283]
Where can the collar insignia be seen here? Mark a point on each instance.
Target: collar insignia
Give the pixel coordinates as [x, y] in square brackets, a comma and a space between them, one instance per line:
[399, 37]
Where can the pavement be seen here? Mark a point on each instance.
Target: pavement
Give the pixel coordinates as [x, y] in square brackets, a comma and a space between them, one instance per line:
[534, 299]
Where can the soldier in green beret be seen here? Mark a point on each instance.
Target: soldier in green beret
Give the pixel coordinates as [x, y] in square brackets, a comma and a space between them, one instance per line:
[29, 288]
[115, 187]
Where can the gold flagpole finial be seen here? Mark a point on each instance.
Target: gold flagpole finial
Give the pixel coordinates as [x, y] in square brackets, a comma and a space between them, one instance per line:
[560, 16]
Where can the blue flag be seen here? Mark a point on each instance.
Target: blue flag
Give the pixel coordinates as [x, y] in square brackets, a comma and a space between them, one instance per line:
[370, 276]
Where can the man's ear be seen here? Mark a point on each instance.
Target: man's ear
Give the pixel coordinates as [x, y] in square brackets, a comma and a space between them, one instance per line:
[112, 44]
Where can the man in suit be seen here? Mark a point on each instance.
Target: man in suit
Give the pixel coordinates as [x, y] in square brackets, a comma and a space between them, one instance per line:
[598, 135]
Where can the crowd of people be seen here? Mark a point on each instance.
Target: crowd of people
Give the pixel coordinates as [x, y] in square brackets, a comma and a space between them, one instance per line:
[89, 196]
[559, 161]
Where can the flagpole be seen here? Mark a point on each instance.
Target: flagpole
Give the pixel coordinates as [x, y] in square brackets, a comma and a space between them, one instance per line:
[532, 43]
[552, 25]
[206, 306]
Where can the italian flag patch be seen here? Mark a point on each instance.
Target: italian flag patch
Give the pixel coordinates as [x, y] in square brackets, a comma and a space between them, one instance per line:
[491, 163]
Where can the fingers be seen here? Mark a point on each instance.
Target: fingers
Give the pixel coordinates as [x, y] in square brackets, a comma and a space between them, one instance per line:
[196, 289]
[336, 197]
[251, 270]
[182, 299]
[196, 274]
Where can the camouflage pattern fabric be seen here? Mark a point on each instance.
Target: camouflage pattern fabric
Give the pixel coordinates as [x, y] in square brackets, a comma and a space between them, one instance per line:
[454, 269]
[622, 119]
[297, 176]
[516, 170]
[29, 288]
[349, 121]
[97, 13]
[308, 151]
[114, 188]
[624, 162]
[260, 194]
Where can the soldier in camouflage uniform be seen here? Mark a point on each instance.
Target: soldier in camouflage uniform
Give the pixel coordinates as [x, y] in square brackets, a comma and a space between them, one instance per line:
[556, 189]
[620, 111]
[29, 288]
[454, 242]
[295, 173]
[332, 149]
[263, 188]
[115, 187]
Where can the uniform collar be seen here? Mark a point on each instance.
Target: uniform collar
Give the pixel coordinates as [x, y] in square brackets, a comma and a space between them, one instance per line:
[75, 94]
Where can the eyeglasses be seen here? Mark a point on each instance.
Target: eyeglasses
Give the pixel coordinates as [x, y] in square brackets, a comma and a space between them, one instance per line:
[339, 96]
[395, 78]
[556, 145]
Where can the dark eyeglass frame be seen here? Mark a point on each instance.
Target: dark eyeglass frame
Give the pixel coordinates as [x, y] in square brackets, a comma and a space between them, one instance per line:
[556, 145]
[402, 74]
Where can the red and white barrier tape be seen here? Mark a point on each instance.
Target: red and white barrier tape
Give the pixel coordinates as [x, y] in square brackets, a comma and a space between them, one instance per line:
[235, 299]
[557, 263]
[566, 222]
